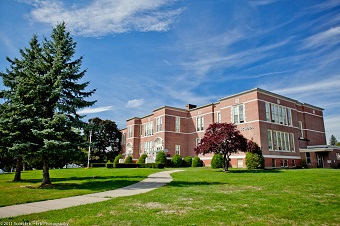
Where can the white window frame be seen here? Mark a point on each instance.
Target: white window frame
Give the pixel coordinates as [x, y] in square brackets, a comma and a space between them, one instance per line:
[178, 149]
[218, 117]
[129, 131]
[198, 140]
[238, 115]
[300, 129]
[178, 125]
[200, 123]
[159, 124]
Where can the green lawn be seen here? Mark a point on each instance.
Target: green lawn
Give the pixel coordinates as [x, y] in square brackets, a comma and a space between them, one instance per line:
[66, 183]
[202, 196]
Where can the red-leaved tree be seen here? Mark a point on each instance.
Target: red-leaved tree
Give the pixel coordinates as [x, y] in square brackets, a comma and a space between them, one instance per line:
[223, 138]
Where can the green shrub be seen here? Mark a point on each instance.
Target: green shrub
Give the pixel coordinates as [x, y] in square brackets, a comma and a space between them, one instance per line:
[176, 161]
[96, 165]
[141, 159]
[187, 161]
[217, 161]
[153, 165]
[127, 165]
[128, 159]
[116, 161]
[161, 157]
[254, 161]
[109, 165]
[197, 162]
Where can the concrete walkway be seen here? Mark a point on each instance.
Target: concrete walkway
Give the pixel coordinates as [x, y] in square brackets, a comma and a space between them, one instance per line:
[154, 181]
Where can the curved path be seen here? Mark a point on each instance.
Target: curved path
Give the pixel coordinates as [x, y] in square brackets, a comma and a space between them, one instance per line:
[152, 182]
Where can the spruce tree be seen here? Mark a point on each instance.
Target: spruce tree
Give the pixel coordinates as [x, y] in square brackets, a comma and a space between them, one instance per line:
[48, 92]
[333, 141]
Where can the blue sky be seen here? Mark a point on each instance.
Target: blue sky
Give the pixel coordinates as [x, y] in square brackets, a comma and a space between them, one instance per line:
[145, 54]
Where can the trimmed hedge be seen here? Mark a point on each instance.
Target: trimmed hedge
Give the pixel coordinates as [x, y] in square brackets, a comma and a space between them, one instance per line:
[161, 157]
[176, 161]
[187, 161]
[128, 159]
[254, 161]
[197, 162]
[141, 159]
[109, 165]
[217, 161]
[127, 165]
[153, 165]
[135, 165]
[96, 165]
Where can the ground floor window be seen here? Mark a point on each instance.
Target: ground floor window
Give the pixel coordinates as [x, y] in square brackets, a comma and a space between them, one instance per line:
[178, 149]
[286, 163]
[273, 163]
[239, 163]
[293, 163]
[308, 158]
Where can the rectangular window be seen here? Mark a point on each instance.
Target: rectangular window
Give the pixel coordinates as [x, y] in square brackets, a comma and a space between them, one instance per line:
[178, 124]
[148, 129]
[159, 122]
[279, 147]
[123, 138]
[308, 158]
[141, 130]
[218, 117]
[282, 163]
[284, 115]
[286, 163]
[280, 115]
[129, 131]
[274, 140]
[283, 145]
[273, 163]
[267, 112]
[200, 123]
[291, 141]
[276, 113]
[289, 117]
[293, 163]
[270, 139]
[287, 148]
[178, 149]
[198, 140]
[301, 129]
[273, 112]
[238, 114]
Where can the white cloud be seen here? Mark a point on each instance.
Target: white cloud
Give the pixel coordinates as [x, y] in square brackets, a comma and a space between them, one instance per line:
[329, 37]
[94, 110]
[135, 103]
[103, 17]
[328, 85]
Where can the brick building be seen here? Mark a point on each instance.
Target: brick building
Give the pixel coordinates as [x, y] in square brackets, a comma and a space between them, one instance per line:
[285, 129]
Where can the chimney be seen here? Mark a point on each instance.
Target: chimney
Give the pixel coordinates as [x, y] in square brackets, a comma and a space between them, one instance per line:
[190, 106]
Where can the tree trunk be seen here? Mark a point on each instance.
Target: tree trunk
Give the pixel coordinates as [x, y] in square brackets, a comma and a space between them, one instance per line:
[17, 176]
[225, 168]
[46, 174]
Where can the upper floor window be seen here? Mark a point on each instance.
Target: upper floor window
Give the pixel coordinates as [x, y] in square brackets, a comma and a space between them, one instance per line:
[238, 114]
[178, 125]
[159, 123]
[300, 129]
[129, 131]
[200, 123]
[278, 114]
[148, 129]
[218, 120]
[123, 138]
[280, 141]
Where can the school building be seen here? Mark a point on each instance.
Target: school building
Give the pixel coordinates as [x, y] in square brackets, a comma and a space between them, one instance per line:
[286, 130]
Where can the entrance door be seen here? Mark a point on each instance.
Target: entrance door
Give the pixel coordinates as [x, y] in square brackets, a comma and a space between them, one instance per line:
[320, 160]
[239, 163]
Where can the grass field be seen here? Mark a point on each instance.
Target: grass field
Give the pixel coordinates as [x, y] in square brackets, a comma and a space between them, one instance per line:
[203, 196]
[66, 183]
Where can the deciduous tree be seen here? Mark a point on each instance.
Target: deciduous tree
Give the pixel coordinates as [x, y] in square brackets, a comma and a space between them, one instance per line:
[223, 138]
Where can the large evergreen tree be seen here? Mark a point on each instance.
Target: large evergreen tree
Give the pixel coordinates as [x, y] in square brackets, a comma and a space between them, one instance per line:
[333, 141]
[49, 93]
